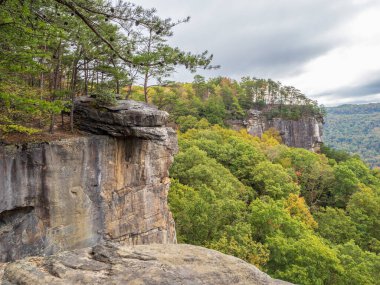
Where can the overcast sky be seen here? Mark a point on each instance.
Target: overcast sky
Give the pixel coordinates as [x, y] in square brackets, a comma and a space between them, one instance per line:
[329, 49]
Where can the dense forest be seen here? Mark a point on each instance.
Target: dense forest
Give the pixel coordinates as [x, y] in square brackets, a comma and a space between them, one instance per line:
[355, 129]
[300, 216]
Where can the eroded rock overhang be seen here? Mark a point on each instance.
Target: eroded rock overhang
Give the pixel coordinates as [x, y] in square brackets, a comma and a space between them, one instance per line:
[111, 183]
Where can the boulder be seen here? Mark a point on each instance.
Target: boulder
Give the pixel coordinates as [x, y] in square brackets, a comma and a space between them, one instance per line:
[127, 118]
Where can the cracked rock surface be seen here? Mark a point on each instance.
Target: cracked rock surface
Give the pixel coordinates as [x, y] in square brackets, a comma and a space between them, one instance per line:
[109, 184]
[112, 263]
[127, 118]
[306, 132]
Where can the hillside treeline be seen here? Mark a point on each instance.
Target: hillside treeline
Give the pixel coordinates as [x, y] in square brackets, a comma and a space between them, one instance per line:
[218, 99]
[355, 129]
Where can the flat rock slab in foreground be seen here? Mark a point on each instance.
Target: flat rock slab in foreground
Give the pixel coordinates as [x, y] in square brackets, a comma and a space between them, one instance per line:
[144, 264]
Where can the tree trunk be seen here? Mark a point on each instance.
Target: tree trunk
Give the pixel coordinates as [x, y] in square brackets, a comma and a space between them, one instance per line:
[62, 122]
[146, 77]
[85, 77]
[51, 127]
[117, 86]
[92, 80]
[72, 114]
[73, 87]
[55, 84]
[116, 78]
[129, 91]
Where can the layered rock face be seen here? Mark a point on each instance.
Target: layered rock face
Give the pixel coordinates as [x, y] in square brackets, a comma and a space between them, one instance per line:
[154, 264]
[77, 192]
[304, 133]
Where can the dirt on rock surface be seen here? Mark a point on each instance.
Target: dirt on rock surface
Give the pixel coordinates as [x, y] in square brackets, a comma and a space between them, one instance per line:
[60, 132]
[2, 267]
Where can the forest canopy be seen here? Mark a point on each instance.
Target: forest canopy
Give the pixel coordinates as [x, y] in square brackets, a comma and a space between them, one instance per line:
[299, 216]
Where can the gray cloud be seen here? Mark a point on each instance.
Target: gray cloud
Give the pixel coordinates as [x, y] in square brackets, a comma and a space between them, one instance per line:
[279, 46]
[263, 38]
[367, 89]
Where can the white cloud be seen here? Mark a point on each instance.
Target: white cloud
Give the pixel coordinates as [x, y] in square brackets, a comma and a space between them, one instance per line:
[321, 47]
[353, 63]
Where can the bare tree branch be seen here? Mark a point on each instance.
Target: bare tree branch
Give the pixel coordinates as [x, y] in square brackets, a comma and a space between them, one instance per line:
[91, 26]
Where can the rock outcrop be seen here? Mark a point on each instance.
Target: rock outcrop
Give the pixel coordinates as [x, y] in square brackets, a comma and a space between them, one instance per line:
[305, 132]
[109, 184]
[154, 264]
[127, 119]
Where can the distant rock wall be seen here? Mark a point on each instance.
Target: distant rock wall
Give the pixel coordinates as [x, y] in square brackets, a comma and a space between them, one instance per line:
[76, 192]
[304, 133]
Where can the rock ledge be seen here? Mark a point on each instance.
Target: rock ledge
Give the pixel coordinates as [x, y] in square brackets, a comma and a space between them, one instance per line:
[111, 263]
[126, 119]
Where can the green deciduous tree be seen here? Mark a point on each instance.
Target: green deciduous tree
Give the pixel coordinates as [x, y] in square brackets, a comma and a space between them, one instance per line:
[306, 260]
[345, 184]
[364, 210]
[361, 267]
[237, 241]
[273, 180]
[336, 226]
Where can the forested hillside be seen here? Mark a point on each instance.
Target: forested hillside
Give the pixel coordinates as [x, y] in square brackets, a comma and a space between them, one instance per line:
[221, 98]
[356, 129]
[298, 215]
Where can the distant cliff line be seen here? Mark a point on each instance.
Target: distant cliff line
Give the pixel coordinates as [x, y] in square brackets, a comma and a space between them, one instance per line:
[251, 103]
[304, 132]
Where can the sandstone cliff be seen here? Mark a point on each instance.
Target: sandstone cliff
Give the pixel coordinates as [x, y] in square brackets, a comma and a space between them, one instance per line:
[153, 264]
[305, 132]
[103, 196]
[76, 192]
